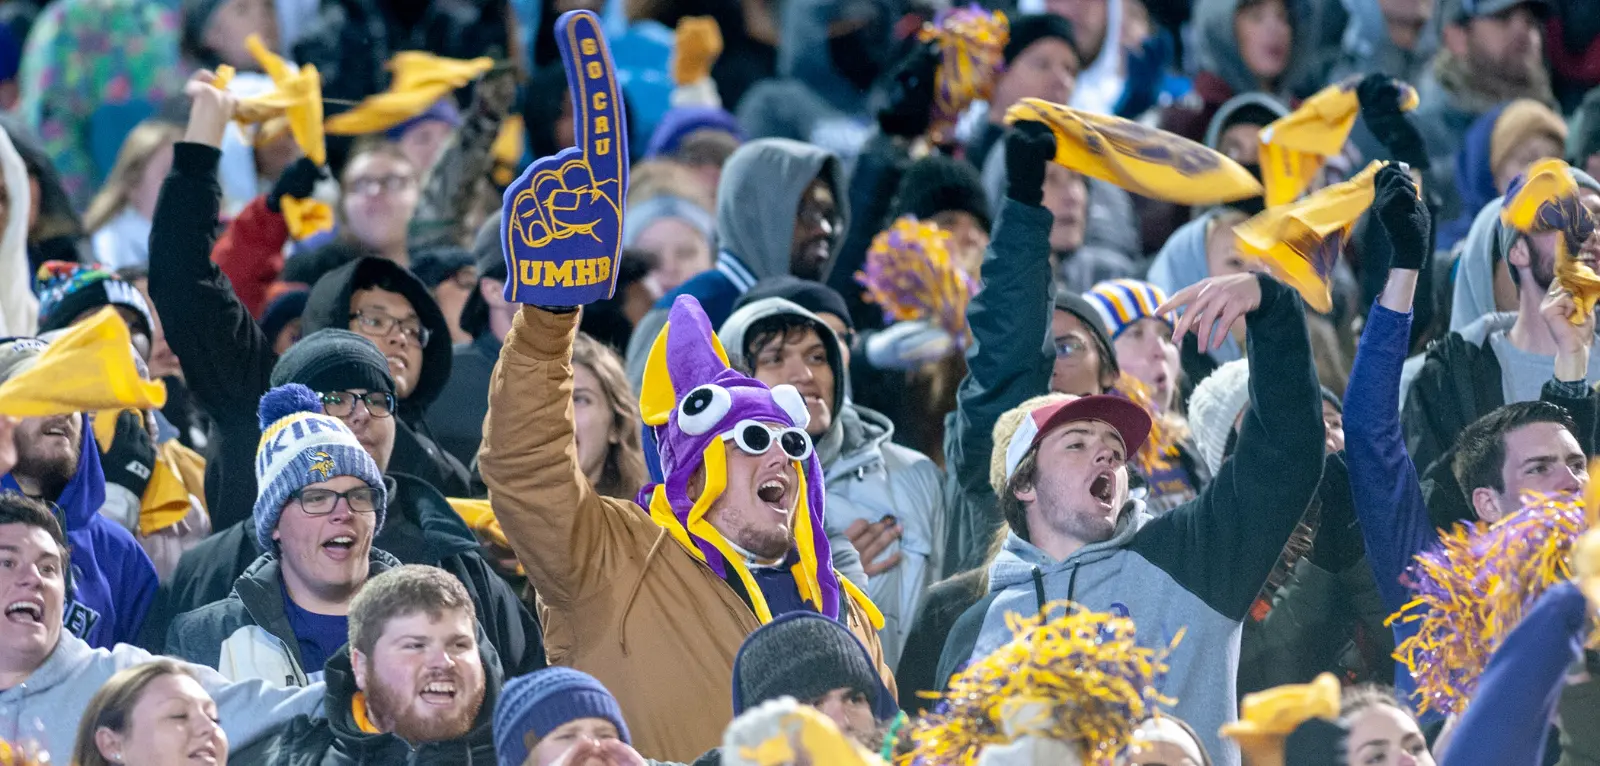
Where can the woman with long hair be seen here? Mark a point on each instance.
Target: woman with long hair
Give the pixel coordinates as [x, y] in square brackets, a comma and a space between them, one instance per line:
[118, 220]
[610, 451]
[152, 714]
[1382, 729]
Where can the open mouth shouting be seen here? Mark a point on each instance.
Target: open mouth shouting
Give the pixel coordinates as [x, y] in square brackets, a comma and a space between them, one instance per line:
[439, 692]
[1103, 488]
[27, 611]
[775, 493]
[339, 546]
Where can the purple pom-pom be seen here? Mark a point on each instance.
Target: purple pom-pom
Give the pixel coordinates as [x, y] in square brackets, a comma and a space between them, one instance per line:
[286, 400]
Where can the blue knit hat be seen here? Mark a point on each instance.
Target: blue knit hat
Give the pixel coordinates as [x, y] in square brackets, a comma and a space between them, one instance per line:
[1122, 302]
[541, 701]
[301, 446]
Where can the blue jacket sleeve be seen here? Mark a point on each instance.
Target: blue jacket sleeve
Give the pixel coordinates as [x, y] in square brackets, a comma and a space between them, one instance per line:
[1383, 480]
[1507, 722]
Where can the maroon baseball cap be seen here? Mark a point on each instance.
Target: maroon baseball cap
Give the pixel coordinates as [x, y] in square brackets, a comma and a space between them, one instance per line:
[1130, 420]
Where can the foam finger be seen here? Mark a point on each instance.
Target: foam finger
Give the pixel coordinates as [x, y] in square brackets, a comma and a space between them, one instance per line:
[599, 122]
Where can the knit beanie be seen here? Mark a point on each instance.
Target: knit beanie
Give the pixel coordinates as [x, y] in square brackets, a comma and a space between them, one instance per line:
[444, 110]
[1521, 120]
[1121, 302]
[814, 297]
[18, 354]
[333, 360]
[1080, 307]
[300, 446]
[1215, 405]
[937, 184]
[1027, 30]
[1005, 427]
[541, 702]
[435, 265]
[805, 655]
[1583, 140]
[281, 311]
[67, 290]
[640, 215]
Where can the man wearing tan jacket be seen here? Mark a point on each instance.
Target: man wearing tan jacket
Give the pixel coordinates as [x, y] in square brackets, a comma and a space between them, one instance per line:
[656, 602]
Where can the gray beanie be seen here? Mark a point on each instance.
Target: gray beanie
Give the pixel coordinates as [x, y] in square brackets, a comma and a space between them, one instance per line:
[805, 655]
[334, 360]
[1215, 405]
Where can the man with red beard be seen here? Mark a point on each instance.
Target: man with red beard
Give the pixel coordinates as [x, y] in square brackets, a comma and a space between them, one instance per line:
[414, 685]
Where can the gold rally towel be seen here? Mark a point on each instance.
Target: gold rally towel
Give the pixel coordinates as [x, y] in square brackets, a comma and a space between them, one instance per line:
[1300, 242]
[88, 368]
[1544, 200]
[1295, 146]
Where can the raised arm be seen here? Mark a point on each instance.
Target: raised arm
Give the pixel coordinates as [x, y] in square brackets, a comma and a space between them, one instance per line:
[449, 191]
[1008, 361]
[226, 359]
[1224, 543]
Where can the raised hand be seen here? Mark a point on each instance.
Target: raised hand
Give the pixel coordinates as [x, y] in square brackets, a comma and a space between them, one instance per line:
[562, 218]
[1403, 215]
[1211, 306]
[210, 110]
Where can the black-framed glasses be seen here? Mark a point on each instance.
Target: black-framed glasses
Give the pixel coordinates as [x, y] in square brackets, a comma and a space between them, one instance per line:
[341, 404]
[379, 325]
[321, 502]
[755, 438]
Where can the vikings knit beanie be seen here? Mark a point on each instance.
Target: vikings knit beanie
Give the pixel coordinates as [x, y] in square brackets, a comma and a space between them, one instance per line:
[540, 702]
[301, 446]
[1122, 302]
[1215, 405]
[805, 655]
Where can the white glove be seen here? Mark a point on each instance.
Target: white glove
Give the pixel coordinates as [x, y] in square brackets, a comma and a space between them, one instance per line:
[908, 345]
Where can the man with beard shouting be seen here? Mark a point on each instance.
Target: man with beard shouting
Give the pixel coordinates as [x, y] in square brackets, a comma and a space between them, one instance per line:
[414, 685]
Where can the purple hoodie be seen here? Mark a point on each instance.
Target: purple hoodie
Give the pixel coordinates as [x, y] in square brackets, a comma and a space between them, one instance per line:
[1474, 178]
[112, 581]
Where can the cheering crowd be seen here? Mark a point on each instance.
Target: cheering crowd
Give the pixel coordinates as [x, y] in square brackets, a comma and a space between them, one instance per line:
[587, 383]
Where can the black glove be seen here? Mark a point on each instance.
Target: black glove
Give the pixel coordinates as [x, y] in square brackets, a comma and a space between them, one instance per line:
[1029, 146]
[1404, 217]
[132, 456]
[298, 180]
[1338, 544]
[1317, 742]
[910, 93]
[1379, 96]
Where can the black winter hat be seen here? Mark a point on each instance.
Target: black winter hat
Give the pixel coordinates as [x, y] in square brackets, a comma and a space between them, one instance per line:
[1027, 30]
[806, 655]
[334, 360]
[814, 297]
[281, 311]
[937, 184]
[1080, 307]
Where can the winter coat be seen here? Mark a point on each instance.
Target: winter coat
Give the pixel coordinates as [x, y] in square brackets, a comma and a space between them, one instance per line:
[250, 253]
[227, 360]
[49, 703]
[619, 597]
[1198, 568]
[757, 201]
[112, 582]
[456, 417]
[918, 671]
[868, 479]
[421, 528]
[333, 738]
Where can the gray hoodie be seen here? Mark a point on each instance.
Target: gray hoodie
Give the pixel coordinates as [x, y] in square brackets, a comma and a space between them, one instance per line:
[757, 201]
[48, 705]
[868, 478]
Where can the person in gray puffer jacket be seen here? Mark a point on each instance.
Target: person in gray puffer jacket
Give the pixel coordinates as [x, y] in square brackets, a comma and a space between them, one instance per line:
[878, 492]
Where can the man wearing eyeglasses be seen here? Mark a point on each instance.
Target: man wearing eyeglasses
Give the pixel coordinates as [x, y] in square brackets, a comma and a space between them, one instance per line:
[352, 383]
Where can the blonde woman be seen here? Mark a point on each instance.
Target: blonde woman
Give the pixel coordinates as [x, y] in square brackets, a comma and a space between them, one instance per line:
[118, 220]
[607, 421]
[152, 714]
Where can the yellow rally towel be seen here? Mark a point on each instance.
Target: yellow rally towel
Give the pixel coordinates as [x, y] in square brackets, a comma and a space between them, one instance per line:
[296, 96]
[420, 80]
[1300, 242]
[696, 44]
[305, 217]
[507, 150]
[480, 517]
[1295, 146]
[1543, 200]
[1143, 160]
[1268, 717]
[177, 474]
[88, 368]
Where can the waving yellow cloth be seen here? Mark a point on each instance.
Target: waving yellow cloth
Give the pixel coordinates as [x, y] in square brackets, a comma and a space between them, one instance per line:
[1268, 717]
[1300, 242]
[88, 368]
[696, 44]
[1543, 200]
[296, 96]
[178, 472]
[420, 80]
[305, 217]
[1143, 160]
[480, 517]
[1295, 146]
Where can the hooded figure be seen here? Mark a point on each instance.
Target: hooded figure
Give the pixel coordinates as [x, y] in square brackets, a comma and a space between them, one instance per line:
[111, 583]
[650, 597]
[1474, 180]
[757, 203]
[1223, 73]
[415, 452]
[869, 478]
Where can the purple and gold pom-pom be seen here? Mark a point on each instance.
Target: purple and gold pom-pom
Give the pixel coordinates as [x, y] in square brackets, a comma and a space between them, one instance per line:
[1084, 666]
[1475, 586]
[972, 45]
[911, 275]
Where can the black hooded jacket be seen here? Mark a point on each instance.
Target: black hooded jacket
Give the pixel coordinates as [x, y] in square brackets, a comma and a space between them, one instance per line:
[415, 452]
[227, 360]
[337, 740]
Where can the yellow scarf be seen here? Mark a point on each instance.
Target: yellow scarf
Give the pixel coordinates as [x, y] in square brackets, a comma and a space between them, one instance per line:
[1543, 200]
[88, 368]
[420, 80]
[1295, 146]
[1143, 160]
[1300, 242]
[358, 710]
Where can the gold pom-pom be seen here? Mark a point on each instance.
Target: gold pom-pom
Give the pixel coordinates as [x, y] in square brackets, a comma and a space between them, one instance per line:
[972, 45]
[911, 274]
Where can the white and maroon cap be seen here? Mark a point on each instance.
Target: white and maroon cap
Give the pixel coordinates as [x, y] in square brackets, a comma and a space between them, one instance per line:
[1130, 420]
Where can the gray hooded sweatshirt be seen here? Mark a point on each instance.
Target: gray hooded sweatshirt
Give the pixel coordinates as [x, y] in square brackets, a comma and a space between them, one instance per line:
[868, 478]
[47, 706]
[757, 201]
